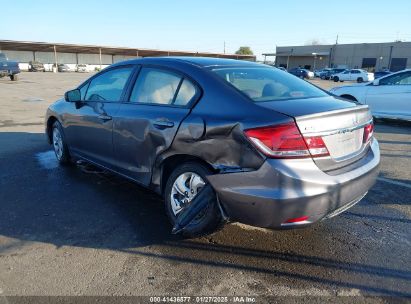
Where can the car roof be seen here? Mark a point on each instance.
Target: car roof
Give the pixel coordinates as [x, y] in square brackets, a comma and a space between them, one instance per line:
[398, 72]
[198, 61]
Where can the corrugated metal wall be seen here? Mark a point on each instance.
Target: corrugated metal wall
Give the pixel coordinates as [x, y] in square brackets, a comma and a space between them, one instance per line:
[348, 55]
[20, 56]
[117, 58]
[71, 59]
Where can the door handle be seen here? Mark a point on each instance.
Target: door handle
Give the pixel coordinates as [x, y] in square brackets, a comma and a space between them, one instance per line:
[162, 124]
[105, 117]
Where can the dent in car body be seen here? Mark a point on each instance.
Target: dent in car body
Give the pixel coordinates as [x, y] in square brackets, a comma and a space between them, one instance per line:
[213, 131]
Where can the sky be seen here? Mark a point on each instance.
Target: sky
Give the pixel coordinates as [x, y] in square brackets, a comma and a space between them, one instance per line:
[204, 25]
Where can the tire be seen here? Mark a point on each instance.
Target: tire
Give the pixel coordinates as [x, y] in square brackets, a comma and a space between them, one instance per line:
[210, 219]
[60, 148]
[336, 79]
[359, 80]
[322, 77]
[14, 77]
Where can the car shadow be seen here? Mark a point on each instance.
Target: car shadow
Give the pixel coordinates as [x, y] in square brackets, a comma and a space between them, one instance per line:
[84, 206]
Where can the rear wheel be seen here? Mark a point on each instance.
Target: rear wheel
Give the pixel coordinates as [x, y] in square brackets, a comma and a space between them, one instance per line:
[14, 77]
[59, 144]
[183, 185]
[359, 80]
[336, 79]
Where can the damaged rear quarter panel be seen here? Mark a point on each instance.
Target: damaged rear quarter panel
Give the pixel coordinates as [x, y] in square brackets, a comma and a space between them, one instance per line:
[213, 131]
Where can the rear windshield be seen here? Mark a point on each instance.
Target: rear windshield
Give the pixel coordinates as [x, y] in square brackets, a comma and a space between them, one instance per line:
[268, 84]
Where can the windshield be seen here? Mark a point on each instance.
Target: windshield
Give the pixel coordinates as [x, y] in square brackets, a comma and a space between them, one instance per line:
[268, 84]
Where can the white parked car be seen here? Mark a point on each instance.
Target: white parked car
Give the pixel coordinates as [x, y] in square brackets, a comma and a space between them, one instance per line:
[387, 97]
[357, 75]
[82, 68]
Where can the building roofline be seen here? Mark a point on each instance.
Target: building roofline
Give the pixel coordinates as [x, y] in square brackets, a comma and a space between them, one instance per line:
[331, 45]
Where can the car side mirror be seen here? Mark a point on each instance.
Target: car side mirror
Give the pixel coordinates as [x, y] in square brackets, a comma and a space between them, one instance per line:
[73, 96]
[376, 82]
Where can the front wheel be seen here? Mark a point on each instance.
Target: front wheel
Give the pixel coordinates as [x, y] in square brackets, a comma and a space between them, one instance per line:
[336, 79]
[183, 185]
[59, 144]
[359, 80]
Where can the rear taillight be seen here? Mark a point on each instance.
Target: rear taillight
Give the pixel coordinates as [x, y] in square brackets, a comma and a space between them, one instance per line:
[316, 146]
[286, 141]
[368, 132]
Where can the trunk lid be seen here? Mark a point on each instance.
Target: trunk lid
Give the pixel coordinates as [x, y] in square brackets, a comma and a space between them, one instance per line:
[339, 123]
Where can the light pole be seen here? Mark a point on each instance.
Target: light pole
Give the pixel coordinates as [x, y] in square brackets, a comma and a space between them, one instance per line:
[315, 59]
[288, 58]
[55, 60]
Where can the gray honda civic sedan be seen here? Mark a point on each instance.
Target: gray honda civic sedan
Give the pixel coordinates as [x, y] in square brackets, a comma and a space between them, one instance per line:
[273, 150]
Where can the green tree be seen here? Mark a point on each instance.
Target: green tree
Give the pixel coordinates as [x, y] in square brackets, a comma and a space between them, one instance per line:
[244, 50]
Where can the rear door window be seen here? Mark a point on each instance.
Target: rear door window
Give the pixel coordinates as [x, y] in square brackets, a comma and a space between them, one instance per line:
[186, 93]
[158, 86]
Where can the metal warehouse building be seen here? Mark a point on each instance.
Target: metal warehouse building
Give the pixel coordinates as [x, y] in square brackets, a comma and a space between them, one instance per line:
[92, 55]
[370, 56]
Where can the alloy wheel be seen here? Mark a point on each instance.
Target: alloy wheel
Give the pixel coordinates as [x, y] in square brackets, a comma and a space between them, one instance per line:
[58, 143]
[185, 189]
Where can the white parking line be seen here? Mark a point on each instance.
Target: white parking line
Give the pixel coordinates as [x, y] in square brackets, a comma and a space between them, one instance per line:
[387, 180]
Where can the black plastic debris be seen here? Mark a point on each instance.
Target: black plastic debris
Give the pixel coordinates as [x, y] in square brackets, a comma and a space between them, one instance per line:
[198, 204]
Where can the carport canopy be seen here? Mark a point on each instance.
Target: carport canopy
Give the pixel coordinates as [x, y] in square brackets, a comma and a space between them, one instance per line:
[108, 50]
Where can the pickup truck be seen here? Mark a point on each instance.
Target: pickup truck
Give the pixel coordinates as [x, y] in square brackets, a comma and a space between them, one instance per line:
[8, 68]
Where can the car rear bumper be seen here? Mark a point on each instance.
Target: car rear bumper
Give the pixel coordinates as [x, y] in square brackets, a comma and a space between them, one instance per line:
[286, 189]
